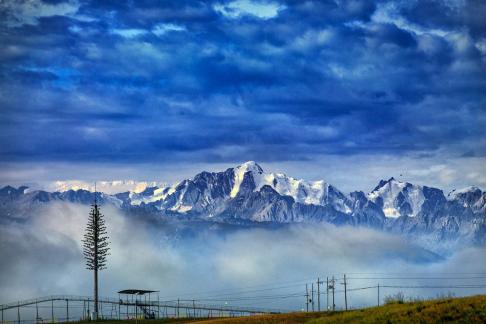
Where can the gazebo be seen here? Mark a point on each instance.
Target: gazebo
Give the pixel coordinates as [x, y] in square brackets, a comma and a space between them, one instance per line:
[138, 299]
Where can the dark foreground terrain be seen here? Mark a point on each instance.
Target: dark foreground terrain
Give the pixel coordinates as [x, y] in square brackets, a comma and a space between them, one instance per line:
[453, 310]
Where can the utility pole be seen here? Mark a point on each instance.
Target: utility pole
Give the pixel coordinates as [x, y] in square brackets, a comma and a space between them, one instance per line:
[327, 294]
[333, 287]
[345, 294]
[306, 298]
[312, 294]
[319, 295]
[378, 294]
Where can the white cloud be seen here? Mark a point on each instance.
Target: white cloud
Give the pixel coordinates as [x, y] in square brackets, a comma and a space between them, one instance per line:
[481, 45]
[129, 32]
[158, 30]
[161, 29]
[388, 13]
[44, 255]
[28, 12]
[312, 39]
[260, 9]
[75, 29]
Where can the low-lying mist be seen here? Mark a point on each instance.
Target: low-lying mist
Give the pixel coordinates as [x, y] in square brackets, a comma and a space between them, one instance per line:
[261, 267]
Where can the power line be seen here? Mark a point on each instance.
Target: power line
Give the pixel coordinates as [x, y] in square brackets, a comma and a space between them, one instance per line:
[435, 287]
[248, 293]
[248, 289]
[417, 273]
[416, 278]
[205, 293]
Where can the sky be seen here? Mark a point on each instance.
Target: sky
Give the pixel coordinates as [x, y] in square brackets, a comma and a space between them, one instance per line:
[346, 91]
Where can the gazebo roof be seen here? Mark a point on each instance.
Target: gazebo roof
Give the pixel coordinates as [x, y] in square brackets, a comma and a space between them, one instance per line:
[136, 291]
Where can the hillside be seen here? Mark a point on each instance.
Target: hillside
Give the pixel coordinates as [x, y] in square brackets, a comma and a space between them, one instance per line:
[456, 310]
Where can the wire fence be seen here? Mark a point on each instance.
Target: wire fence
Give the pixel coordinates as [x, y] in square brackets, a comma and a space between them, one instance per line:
[357, 290]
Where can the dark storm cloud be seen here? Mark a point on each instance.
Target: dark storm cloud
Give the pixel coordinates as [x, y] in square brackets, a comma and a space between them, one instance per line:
[234, 80]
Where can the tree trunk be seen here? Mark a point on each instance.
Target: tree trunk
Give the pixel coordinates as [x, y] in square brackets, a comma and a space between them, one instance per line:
[95, 314]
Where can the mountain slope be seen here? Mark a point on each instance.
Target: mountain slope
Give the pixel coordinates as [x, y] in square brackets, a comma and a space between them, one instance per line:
[248, 194]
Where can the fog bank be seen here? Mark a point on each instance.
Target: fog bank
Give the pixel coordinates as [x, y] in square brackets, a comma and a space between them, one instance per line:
[43, 256]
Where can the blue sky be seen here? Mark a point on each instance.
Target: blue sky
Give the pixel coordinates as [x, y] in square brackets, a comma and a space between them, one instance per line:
[349, 91]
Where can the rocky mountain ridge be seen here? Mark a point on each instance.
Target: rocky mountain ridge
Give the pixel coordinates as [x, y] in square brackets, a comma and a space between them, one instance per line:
[248, 194]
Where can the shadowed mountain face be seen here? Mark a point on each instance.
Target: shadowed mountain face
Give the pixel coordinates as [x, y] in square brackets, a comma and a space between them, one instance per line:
[247, 195]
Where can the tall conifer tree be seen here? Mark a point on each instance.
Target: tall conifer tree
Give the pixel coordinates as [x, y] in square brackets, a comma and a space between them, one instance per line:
[95, 244]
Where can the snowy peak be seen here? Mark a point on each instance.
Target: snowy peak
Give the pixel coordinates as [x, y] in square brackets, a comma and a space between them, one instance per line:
[251, 167]
[469, 197]
[304, 192]
[209, 192]
[398, 198]
[108, 187]
[464, 192]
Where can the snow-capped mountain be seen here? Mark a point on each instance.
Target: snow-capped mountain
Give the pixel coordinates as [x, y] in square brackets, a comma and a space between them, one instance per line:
[247, 194]
[470, 197]
[309, 193]
[207, 189]
[398, 198]
[109, 187]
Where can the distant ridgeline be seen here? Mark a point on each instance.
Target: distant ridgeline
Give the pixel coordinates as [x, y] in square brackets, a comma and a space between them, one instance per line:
[248, 196]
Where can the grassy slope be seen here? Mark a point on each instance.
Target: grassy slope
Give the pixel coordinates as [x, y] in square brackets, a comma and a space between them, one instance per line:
[457, 310]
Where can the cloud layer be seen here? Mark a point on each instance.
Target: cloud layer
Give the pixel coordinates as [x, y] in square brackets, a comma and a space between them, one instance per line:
[42, 256]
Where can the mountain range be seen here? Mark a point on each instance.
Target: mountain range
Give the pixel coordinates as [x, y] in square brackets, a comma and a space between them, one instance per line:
[246, 195]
